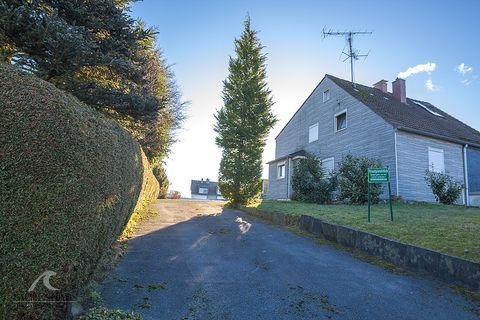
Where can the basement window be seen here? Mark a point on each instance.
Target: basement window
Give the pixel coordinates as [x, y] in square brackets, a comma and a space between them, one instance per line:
[341, 121]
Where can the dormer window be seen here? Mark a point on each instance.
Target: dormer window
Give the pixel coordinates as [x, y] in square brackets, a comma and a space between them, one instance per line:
[341, 121]
[326, 95]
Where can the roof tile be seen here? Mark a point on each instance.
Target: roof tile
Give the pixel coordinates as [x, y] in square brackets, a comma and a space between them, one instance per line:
[411, 116]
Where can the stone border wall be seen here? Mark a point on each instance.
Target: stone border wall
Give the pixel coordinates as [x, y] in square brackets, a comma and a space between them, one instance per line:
[446, 267]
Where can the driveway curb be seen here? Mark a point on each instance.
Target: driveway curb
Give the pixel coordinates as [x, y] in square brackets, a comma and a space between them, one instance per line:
[448, 268]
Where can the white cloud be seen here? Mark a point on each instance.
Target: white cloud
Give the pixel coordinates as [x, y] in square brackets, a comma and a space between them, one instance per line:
[469, 80]
[463, 69]
[430, 86]
[427, 67]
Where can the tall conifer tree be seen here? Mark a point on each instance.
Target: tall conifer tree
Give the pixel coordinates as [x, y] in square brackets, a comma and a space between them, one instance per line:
[244, 121]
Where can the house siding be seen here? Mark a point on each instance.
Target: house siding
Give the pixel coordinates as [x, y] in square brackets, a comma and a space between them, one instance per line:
[367, 134]
[277, 188]
[413, 163]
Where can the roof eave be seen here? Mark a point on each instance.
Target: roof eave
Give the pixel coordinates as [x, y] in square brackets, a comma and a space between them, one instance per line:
[278, 160]
[436, 136]
[294, 155]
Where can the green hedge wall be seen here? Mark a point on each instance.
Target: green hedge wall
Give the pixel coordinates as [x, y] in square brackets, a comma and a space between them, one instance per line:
[69, 180]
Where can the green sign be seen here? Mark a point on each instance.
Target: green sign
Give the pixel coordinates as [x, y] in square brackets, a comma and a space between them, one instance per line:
[378, 175]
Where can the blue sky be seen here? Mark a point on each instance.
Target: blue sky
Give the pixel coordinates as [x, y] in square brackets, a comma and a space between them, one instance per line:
[196, 37]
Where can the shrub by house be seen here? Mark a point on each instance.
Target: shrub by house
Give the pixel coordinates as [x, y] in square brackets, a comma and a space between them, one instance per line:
[445, 189]
[353, 179]
[309, 182]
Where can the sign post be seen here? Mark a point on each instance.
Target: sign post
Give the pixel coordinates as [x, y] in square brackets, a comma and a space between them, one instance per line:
[379, 175]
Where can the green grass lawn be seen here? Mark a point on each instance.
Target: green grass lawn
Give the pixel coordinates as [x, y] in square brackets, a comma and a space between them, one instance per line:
[454, 230]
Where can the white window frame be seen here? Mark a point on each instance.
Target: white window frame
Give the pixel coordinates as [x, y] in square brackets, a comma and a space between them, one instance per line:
[332, 159]
[279, 176]
[202, 190]
[326, 95]
[310, 137]
[431, 167]
[335, 120]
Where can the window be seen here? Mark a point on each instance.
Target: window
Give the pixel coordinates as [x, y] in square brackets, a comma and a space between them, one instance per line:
[203, 190]
[328, 166]
[326, 95]
[281, 171]
[436, 161]
[313, 133]
[341, 121]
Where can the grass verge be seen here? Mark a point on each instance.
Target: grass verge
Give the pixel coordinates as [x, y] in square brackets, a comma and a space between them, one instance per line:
[453, 230]
[139, 215]
[110, 314]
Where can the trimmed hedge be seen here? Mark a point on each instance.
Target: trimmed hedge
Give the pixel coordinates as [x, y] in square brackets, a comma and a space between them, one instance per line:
[69, 180]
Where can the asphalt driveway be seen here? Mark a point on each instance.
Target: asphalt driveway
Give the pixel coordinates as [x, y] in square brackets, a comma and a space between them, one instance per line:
[199, 261]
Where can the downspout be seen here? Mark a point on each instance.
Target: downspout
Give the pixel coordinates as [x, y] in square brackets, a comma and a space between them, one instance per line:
[465, 169]
[396, 163]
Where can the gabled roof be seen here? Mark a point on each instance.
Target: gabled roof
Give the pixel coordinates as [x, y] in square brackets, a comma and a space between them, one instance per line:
[416, 116]
[300, 107]
[212, 187]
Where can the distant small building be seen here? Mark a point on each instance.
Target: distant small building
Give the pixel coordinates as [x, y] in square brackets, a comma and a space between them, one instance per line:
[205, 190]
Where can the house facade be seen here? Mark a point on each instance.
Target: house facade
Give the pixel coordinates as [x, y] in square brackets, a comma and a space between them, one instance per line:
[205, 190]
[408, 136]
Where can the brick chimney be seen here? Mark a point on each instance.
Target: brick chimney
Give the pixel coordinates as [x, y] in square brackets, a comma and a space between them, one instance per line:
[399, 91]
[381, 85]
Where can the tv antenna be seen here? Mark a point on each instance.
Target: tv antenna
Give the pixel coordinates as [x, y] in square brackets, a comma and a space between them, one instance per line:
[351, 53]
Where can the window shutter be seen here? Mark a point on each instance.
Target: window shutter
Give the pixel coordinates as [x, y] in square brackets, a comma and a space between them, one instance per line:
[313, 133]
[436, 160]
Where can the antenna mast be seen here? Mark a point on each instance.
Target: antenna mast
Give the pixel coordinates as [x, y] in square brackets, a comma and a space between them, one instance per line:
[352, 53]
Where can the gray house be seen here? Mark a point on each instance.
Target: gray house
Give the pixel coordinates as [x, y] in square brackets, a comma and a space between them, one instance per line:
[205, 190]
[407, 135]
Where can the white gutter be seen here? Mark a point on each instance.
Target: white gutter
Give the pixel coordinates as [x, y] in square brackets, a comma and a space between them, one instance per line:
[465, 169]
[396, 162]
